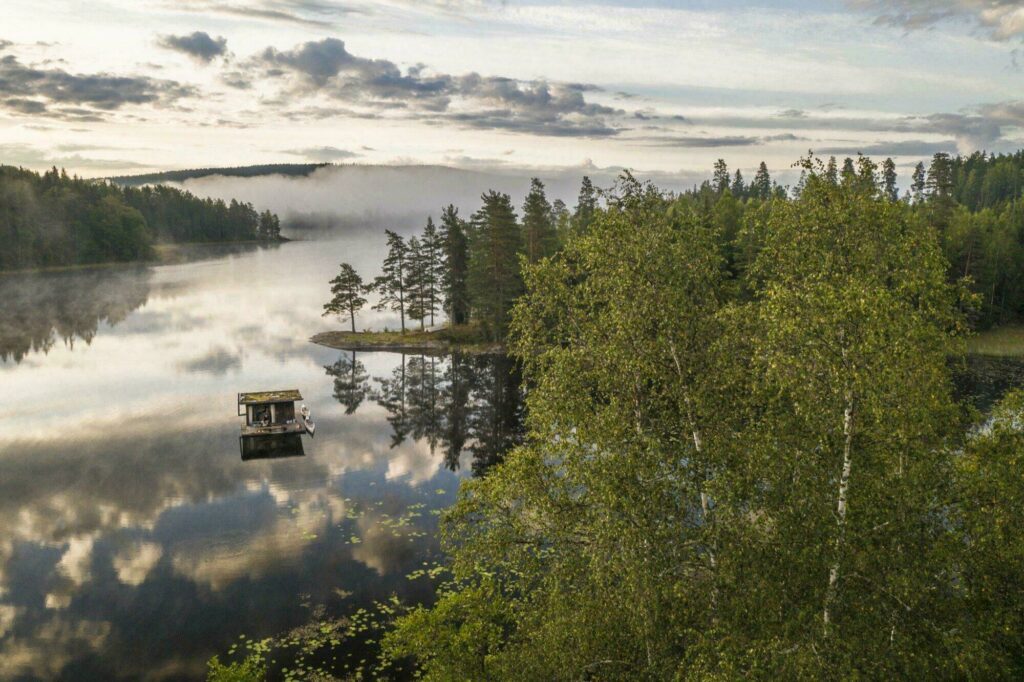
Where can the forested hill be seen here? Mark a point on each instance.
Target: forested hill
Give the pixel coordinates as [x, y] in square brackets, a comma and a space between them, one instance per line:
[295, 169]
[55, 219]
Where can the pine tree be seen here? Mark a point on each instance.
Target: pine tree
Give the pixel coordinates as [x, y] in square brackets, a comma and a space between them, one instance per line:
[269, 226]
[721, 177]
[918, 183]
[738, 189]
[889, 190]
[416, 282]
[434, 267]
[538, 229]
[585, 207]
[939, 187]
[832, 171]
[390, 284]
[848, 174]
[494, 280]
[348, 290]
[456, 265]
[761, 188]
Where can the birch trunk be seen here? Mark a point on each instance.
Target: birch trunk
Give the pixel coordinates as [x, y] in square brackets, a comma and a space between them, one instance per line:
[844, 484]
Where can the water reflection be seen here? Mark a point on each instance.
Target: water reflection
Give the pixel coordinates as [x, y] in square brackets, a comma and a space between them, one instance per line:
[278, 446]
[39, 309]
[135, 541]
[445, 402]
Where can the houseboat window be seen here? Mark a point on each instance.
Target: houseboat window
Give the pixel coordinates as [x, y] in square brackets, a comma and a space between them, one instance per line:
[261, 414]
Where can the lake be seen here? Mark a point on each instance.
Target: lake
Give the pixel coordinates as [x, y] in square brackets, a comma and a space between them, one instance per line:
[135, 542]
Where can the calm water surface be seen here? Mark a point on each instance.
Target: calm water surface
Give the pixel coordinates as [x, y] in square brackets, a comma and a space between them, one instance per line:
[134, 540]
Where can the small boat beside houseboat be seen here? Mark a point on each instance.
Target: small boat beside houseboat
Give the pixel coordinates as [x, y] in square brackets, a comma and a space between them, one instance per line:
[272, 413]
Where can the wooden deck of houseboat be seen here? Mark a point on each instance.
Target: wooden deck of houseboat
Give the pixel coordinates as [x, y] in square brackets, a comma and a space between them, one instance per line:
[298, 426]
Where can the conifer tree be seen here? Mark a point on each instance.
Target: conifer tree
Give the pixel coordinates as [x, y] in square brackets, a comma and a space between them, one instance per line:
[348, 291]
[721, 179]
[738, 189]
[390, 284]
[849, 173]
[585, 206]
[761, 188]
[539, 236]
[417, 298]
[918, 183]
[832, 171]
[494, 280]
[434, 267]
[889, 190]
[456, 266]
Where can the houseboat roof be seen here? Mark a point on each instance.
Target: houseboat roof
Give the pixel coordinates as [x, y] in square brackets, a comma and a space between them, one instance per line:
[286, 396]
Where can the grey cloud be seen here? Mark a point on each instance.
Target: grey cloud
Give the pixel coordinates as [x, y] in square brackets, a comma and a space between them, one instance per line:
[24, 106]
[100, 91]
[217, 361]
[325, 153]
[23, 154]
[326, 67]
[198, 45]
[305, 13]
[1000, 19]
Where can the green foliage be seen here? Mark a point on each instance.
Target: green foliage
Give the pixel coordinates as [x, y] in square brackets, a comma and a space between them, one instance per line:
[53, 220]
[249, 669]
[494, 280]
[990, 519]
[455, 262]
[348, 291]
[390, 285]
[720, 485]
[539, 237]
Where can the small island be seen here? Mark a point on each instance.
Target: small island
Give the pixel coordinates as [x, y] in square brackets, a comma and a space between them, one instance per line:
[467, 338]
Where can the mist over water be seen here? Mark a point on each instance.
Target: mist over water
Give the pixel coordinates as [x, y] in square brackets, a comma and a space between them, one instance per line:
[346, 199]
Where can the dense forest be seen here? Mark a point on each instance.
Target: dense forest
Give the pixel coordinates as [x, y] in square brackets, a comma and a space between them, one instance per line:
[54, 219]
[745, 457]
[471, 268]
[740, 465]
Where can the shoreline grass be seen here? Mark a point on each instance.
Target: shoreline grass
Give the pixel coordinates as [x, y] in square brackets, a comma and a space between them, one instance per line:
[1004, 342]
[465, 338]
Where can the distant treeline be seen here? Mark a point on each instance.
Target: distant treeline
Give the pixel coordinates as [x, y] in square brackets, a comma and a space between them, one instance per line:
[297, 169]
[55, 219]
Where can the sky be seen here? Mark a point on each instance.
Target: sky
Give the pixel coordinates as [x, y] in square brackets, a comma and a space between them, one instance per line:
[128, 86]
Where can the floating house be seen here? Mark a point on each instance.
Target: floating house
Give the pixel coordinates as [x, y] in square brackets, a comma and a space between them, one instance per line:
[272, 413]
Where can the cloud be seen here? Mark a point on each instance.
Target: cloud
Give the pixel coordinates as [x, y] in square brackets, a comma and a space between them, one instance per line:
[1000, 19]
[326, 68]
[217, 361]
[134, 563]
[27, 155]
[325, 153]
[198, 45]
[304, 13]
[70, 93]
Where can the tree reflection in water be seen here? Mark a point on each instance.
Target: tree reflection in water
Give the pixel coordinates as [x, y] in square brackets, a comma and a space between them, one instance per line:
[43, 307]
[458, 402]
